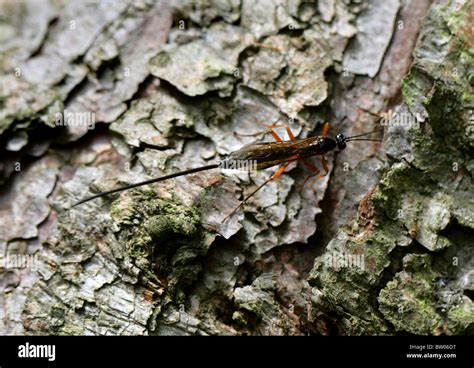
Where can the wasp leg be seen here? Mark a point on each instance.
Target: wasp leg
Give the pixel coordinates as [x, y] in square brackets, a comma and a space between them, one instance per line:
[274, 135]
[270, 128]
[288, 130]
[270, 131]
[326, 170]
[280, 171]
[313, 169]
[325, 132]
[325, 167]
[326, 127]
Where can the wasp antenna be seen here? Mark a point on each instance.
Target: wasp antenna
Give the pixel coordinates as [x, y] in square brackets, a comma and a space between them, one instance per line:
[364, 140]
[363, 134]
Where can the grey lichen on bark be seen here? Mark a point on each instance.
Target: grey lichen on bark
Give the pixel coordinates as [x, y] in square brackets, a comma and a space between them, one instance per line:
[183, 85]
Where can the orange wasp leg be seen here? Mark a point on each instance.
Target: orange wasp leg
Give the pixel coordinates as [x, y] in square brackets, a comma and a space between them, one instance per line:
[270, 130]
[325, 166]
[326, 170]
[326, 127]
[314, 169]
[280, 171]
[274, 135]
[288, 131]
[323, 159]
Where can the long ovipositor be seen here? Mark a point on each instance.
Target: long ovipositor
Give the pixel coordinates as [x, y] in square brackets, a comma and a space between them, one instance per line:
[261, 155]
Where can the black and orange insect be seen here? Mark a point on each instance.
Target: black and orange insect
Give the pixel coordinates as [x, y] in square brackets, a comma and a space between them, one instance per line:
[266, 155]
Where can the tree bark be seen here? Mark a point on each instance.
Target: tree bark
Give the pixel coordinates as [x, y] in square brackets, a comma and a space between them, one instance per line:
[96, 96]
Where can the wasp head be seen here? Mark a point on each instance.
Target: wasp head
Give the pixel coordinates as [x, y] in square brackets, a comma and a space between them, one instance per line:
[341, 141]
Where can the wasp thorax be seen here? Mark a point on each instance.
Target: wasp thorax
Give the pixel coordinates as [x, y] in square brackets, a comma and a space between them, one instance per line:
[317, 142]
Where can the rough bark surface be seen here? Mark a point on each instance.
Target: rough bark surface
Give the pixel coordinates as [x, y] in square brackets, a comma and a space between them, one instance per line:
[382, 245]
